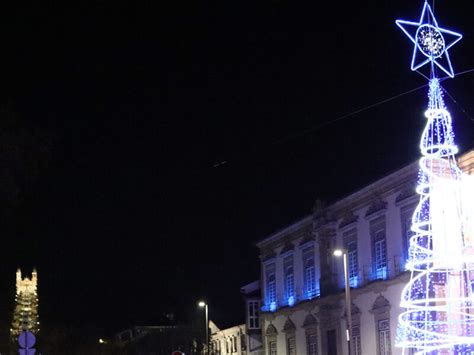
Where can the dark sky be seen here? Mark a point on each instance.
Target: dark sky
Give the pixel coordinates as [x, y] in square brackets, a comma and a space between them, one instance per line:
[167, 137]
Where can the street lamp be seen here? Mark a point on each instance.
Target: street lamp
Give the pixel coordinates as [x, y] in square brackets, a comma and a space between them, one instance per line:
[343, 253]
[203, 304]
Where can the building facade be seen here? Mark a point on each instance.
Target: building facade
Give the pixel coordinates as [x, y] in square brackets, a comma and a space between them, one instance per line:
[229, 341]
[243, 339]
[303, 307]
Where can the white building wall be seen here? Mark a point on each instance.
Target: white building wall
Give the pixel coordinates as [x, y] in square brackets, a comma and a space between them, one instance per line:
[394, 236]
[396, 191]
[363, 245]
[298, 270]
[364, 301]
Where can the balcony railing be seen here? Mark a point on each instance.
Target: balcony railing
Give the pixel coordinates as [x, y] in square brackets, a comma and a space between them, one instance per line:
[366, 274]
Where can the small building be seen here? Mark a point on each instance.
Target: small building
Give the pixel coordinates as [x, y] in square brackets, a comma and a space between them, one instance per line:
[242, 339]
[156, 340]
[228, 341]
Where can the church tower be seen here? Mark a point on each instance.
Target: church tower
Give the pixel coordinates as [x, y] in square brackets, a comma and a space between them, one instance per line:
[25, 314]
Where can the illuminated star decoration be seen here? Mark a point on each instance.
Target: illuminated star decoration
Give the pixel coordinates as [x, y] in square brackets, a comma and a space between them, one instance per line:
[431, 41]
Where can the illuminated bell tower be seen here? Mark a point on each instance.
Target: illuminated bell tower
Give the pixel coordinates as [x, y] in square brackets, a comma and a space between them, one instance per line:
[25, 314]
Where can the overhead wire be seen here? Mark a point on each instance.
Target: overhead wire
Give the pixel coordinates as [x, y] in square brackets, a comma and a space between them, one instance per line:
[458, 105]
[340, 118]
[365, 108]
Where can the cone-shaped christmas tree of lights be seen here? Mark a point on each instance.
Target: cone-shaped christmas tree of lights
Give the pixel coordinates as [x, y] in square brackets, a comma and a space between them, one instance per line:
[438, 301]
[25, 314]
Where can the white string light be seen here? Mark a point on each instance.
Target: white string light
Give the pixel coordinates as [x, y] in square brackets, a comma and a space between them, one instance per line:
[439, 315]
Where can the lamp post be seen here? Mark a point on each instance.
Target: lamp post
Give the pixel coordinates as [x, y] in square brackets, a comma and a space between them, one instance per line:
[203, 304]
[343, 253]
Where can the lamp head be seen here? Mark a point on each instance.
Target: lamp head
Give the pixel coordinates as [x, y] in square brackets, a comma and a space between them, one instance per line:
[338, 252]
[202, 304]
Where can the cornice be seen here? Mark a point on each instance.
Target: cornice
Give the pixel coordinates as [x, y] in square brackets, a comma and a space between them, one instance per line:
[294, 228]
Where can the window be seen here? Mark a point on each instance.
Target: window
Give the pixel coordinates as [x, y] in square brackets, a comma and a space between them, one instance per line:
[384, 337]
[331, 342]
[408, 233]
[406, 216]
[350, 244]
[356, 347]
[380, 258]
[243, 342]
[271, 286]
[289, 280]
[379, 248]
[313, 344]
[291, 344]
[309, 273]
[272, 348]
[353, 264]
[253, 314]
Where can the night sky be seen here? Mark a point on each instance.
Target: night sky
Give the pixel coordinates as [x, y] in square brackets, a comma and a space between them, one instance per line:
[148, 145]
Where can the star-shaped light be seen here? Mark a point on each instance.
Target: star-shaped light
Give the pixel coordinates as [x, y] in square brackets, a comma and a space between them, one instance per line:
[431, 41]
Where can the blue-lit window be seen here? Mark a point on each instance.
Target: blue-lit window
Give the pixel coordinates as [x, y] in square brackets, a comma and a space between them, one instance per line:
[379, 249]
[380, 256]
[270, 287]
[271, 290]
[350, 244]
[353, 267]
[289, 280]
[406, 216]
[310, 276]
[310, 286]
[290, 289]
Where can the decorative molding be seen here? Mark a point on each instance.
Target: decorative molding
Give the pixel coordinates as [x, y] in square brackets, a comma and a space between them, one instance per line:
[307, 241]
[406, 194]
[288, 248]
[354, 309]
[310, 321]
[289, 326]
[271, 330]
[348, 221]
[376, 208]
[267, 258]
[381, 305]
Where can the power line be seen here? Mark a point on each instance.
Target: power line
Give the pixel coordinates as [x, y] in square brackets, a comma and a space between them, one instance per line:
[324, 124]
[349, 115]
[458, 105]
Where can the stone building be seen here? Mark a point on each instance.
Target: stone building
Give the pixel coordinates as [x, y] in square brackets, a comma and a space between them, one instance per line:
[303, 308]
